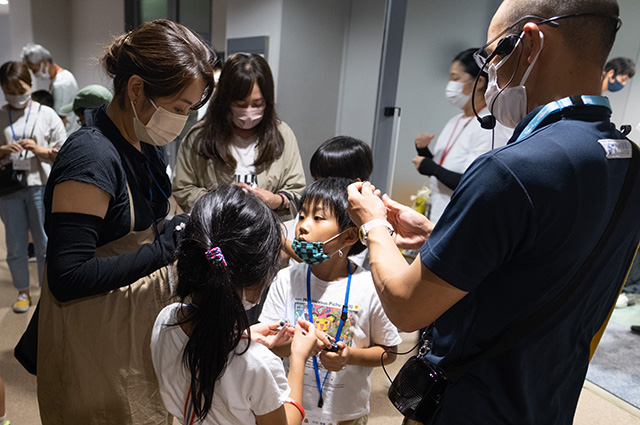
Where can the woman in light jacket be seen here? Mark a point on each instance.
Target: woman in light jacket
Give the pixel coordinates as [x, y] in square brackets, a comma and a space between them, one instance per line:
[242, 141]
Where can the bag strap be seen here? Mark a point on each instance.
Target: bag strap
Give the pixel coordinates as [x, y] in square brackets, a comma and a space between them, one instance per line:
[528, 325]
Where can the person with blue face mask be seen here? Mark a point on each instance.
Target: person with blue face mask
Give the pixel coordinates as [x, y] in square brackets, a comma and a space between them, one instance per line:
[617, 73]
[339, 298]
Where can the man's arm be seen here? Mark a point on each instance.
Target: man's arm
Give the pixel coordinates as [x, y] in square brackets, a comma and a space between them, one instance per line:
[411, 295]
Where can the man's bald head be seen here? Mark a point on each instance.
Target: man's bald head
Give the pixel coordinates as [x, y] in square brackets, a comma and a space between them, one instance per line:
[586, 36]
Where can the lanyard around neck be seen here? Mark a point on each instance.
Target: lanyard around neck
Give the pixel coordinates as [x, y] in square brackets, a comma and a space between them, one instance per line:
[343, 318]
[558, 105]
[26, 121]
[452, 141]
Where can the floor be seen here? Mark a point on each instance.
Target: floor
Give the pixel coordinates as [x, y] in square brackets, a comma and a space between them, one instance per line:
[596, 407]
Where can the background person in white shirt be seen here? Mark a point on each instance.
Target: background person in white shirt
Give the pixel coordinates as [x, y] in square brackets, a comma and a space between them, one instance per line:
[462, 139]
[62, 83]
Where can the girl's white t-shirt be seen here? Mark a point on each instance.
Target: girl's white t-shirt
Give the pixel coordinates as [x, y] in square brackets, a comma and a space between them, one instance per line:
[254, 382]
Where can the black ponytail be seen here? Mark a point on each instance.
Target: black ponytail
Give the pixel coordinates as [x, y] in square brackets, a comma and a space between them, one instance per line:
[248, 236]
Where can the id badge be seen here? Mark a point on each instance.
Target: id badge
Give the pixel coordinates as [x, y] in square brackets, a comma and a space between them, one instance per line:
[319, 418]
[22, 164]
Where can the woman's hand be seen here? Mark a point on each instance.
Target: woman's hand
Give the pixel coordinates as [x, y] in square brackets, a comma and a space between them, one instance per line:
[417, 160]
[273, 201]
[423, 140]
[272, 334]
[11, 148]
[31, 146]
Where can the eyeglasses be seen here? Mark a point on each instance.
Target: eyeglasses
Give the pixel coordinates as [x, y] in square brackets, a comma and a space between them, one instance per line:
[506, 44]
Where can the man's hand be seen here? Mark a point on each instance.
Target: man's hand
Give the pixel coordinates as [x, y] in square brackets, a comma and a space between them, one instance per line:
[365, 203]
[412, 229]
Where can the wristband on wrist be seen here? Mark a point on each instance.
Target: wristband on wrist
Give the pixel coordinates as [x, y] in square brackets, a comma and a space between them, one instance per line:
[296, 405]
[366, 227]
[283, 200]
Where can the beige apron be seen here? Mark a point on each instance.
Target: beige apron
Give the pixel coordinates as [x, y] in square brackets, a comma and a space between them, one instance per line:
[94, 359]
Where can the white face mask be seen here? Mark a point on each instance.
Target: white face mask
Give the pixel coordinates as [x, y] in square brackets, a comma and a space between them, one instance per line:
[18, 101]
[247, 304]
[44, 71]
[247, 118]
[455, 95]
[162, 128]
[508, 105]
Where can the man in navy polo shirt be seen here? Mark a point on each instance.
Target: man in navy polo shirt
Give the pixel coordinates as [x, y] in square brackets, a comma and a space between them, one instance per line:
[523, 220]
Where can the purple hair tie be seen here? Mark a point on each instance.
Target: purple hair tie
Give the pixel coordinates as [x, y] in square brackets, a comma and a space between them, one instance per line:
[215, 254]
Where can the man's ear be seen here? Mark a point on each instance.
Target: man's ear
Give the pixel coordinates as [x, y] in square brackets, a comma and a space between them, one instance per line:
[135, 88]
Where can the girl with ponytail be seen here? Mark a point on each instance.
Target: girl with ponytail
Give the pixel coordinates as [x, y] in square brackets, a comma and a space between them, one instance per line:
[207, 367]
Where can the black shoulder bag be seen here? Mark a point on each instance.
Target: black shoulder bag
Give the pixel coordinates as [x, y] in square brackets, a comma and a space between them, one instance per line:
[419, 386]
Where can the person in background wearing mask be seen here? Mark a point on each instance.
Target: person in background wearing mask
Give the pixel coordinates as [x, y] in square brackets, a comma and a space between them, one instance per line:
[61, 82]
[616, 74]
[242, 141]
[521, 223]
[85, 103]
[462, 139]
[31, 136]
[106, 203]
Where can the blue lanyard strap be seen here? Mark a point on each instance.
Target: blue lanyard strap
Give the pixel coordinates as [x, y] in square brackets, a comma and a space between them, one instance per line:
[26, 121]
[558, 105]
[343, 318]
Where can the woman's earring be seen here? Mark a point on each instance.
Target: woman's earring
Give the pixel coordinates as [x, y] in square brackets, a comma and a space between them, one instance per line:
[340, 253]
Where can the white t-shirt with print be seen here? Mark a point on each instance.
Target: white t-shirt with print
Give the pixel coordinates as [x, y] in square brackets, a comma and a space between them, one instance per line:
[244, 152]
[345, 393]
[254, 383]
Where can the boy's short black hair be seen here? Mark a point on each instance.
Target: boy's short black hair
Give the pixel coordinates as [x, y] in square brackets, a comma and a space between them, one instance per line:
[332, 193]
[621, 66]
[43, 97]
[342, 156]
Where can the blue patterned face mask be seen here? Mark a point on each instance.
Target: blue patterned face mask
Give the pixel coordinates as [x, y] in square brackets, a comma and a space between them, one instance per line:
[312, 252]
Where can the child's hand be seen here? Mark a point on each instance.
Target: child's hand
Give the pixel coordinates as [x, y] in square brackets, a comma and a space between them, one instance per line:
[335, 361]
[322, 342]
[271, 334]
[304, 339]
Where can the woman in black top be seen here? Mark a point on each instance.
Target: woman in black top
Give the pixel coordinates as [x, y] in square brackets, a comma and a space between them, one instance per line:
[106, 201]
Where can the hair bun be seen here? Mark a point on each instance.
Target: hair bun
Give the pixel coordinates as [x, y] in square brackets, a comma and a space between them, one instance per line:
[112, 53]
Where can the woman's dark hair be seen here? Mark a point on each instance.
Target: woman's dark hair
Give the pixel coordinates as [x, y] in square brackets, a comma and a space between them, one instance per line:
[249, 236]
[342, 156]
[239, 74]
[331, 192]
[469, 64]
[166, 55]
[11, 73]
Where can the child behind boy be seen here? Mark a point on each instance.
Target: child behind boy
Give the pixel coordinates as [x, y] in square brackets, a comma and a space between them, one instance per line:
[340, 156]
[340, 299]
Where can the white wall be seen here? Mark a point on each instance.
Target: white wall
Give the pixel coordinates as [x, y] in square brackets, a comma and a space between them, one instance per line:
[435, 32]
[251, 18]
[361, 67]
[94, 24]
[311, 63]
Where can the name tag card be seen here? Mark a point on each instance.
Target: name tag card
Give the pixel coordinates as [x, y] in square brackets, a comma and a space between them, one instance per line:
[616, 148]
[22, 164]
